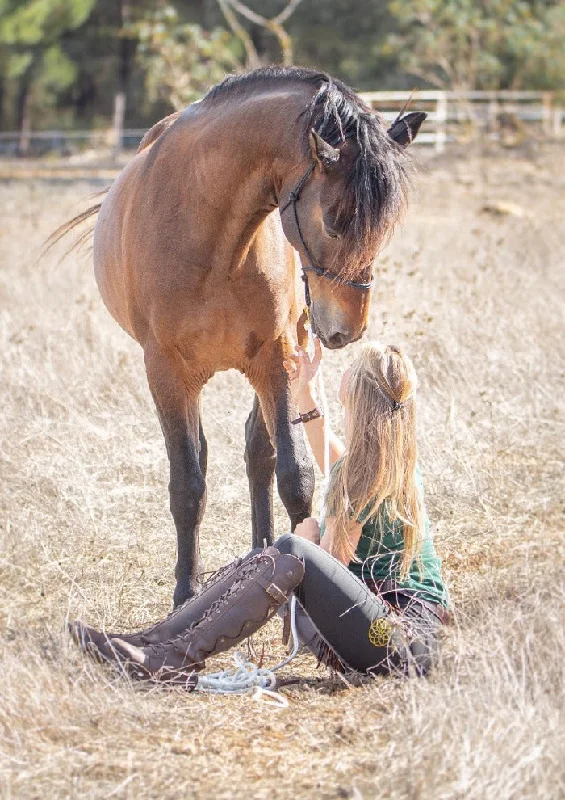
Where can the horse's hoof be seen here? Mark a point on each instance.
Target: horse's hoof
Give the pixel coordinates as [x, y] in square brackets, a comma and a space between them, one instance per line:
[185, 592]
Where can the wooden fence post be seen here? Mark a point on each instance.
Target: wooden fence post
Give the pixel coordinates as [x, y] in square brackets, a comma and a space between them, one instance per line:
[441, 123]
[547, 115]
[558, 114]
[118, 123]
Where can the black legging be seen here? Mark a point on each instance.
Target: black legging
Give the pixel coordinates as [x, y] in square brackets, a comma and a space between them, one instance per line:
[363, 630]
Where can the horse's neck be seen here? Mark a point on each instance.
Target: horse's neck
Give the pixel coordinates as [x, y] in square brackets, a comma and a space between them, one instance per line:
[253, 144]
[249, 148]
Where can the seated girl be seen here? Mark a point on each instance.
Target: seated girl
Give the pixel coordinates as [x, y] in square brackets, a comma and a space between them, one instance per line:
[370, 595]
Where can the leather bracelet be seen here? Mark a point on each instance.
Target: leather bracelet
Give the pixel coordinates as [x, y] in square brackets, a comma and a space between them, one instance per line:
[309, 415]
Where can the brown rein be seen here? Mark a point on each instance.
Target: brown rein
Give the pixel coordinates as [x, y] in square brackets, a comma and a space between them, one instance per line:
[293, 198]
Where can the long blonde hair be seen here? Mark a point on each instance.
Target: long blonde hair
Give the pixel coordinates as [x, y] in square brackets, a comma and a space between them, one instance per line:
[380, 461]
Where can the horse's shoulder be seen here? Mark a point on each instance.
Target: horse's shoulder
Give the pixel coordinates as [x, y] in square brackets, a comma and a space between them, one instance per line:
[158, 130]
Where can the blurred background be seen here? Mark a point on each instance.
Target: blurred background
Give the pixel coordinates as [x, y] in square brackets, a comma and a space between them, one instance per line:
[77, 75]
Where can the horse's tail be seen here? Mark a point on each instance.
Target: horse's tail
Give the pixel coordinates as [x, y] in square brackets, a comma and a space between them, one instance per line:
[71, 224]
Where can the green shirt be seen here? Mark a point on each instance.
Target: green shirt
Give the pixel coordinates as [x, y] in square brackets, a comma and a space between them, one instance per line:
[379, 555]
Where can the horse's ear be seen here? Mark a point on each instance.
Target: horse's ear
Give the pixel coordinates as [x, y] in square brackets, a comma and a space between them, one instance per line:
[323, 152]
[405, 129]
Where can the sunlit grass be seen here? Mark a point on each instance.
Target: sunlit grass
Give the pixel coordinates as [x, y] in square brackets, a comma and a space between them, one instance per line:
[85, 528]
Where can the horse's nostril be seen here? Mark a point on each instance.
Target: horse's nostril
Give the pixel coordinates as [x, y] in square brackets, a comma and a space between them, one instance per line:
[337, 340]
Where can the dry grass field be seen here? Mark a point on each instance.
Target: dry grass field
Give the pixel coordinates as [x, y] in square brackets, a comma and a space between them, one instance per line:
[476, 296]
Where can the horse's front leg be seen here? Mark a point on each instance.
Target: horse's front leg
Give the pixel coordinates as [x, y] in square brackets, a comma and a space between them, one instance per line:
[293, 466]
[176, 394]
[294, 470]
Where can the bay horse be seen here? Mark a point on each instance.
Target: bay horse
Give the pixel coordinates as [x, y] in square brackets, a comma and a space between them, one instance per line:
[193, 256]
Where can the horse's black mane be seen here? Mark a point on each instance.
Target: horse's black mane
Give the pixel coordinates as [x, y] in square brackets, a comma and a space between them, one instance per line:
[378, 181]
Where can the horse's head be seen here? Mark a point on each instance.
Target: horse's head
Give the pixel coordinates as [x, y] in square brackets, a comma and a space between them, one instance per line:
[338, 211]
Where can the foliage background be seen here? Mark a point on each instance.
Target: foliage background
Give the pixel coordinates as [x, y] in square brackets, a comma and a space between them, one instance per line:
[63, 62]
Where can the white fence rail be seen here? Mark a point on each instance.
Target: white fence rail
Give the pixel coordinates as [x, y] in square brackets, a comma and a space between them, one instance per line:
[448, 111]
[448, 115]
[68, 142]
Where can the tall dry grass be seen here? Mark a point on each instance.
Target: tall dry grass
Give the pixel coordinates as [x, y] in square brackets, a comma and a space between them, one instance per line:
[85, 531]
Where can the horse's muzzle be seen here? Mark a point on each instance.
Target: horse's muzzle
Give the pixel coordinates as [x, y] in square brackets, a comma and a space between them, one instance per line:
[337, 338]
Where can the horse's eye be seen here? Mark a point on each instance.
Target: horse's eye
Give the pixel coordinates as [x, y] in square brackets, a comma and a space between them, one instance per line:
[332, 234]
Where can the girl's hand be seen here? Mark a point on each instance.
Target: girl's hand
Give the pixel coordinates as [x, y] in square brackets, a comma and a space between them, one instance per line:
[308, 529]
[302, 370]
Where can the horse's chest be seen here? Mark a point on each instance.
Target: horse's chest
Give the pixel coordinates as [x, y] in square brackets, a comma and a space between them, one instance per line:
[232, 328]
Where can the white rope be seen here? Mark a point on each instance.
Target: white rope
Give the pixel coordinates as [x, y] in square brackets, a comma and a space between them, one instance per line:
[245, 676]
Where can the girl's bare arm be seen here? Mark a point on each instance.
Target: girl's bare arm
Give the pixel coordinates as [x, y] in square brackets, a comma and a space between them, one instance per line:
[317, 430]
[302, 371]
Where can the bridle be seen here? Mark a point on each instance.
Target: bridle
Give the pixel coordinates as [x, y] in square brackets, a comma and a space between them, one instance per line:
[293, 198]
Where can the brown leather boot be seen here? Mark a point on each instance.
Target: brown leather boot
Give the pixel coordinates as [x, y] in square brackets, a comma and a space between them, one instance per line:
[98, 643]
[239, 603]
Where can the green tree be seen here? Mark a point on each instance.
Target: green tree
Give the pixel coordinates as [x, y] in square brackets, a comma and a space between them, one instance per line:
[535, 55]
[493, 44]
[343, 37]
[182, 60]
[274, 24]
[33, 61]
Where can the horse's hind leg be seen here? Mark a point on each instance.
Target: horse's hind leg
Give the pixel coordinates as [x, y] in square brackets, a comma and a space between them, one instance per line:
[260, 462]
[176, 397]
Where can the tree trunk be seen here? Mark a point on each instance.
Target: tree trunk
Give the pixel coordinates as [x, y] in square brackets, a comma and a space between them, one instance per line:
[125, 53]
[2, 99]
[23, 113]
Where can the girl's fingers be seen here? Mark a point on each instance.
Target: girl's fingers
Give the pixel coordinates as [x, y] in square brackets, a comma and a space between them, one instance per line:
[302, 356]
[291, 371]
[317, 352]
